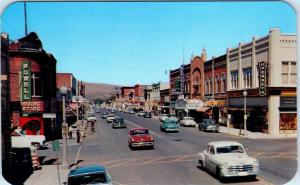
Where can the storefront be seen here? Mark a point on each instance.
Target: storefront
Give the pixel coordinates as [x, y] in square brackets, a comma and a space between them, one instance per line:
[188, 108]
[288, 115]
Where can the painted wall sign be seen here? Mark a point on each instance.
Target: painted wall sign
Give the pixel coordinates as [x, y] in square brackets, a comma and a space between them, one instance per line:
[32, 106]
[262, 77]
[26, 81]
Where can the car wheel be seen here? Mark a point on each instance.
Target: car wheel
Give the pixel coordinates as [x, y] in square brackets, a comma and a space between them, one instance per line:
[218, 174]
[200, 164]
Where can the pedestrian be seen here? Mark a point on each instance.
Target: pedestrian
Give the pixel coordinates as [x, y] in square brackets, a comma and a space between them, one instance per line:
[70, 134]
[78, 136]
[93, 126]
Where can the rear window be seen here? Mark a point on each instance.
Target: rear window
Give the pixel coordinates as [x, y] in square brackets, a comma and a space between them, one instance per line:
[88, 179]
[137, 132]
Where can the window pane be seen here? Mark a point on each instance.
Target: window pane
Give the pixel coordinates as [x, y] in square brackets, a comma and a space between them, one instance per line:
[293, 68]
[285, 67]
[284, 78]
[293, 79]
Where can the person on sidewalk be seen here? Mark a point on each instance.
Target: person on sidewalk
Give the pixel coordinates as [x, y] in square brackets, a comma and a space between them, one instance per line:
[70, 134]
[78, 135]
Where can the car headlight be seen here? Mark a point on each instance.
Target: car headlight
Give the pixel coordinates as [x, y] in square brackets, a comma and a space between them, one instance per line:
[225, 165]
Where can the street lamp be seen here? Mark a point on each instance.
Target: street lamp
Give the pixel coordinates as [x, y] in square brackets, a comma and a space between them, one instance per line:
[65, 163]
[245, 111]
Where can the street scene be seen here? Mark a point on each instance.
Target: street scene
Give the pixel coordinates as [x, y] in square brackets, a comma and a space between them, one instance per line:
[144, 93]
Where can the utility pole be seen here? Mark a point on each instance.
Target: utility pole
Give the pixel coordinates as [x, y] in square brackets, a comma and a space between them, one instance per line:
[25, 16]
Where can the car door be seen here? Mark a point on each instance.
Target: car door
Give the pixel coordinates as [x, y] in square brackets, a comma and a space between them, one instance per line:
[210, 154]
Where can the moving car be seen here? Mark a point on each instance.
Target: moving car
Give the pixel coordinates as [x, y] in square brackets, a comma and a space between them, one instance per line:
[208, 125]
[228, 159]
[187, 121]
[147, 115]
[91, 174]
[104, 115]
[110, 118]
[169, 124]
[163, 117]
[141, 114]
[139, 137]
[91, 118]
[119, 123]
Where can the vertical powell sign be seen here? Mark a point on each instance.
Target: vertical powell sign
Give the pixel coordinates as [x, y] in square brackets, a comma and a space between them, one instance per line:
[26, 81]
[262, 77]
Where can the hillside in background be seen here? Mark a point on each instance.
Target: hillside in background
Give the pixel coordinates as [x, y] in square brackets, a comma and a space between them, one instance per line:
[100, 90]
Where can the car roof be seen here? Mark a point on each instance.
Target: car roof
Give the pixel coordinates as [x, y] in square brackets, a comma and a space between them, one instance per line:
[86, 170]
[139, 128]
[223, 143]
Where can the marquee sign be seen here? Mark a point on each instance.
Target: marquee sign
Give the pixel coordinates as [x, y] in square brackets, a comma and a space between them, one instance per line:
[32, 106]
[26, 81]
[262, 77]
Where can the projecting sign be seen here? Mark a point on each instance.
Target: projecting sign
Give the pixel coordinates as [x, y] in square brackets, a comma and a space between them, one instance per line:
[262, 77]
[26, 81]
[32, 106]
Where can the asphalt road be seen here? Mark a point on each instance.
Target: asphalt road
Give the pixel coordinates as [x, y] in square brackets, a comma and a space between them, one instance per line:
[174, 159]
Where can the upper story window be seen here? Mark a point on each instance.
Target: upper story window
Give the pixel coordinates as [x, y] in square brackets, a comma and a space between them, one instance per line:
[36, 85]
[206, 86]
[234, 79]
[247, 77]
[210, 85]
[288, 72]
[217, 84]
[223, 83]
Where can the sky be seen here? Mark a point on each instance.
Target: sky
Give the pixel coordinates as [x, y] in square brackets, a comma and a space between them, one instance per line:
[125, 43]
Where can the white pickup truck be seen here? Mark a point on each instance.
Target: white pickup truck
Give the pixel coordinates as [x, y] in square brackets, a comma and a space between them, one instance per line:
[19, 140]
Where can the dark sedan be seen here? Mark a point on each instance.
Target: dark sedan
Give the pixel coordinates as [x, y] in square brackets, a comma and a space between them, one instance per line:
[208, 125]
[147, 115]
[119, 123]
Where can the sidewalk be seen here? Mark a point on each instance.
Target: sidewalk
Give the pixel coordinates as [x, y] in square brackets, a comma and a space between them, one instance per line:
[255, 135]
[51, 173]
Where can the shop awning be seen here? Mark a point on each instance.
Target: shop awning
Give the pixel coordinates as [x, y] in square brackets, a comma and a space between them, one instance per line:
[203, 109]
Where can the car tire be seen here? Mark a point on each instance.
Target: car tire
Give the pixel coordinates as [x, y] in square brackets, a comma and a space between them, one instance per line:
[218, 174]
[200, 164]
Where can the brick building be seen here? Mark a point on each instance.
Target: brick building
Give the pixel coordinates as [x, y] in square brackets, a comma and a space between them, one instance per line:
[32, 73]
[215, 87]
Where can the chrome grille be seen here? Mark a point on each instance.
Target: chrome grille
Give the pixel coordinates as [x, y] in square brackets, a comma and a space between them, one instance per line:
[241, 168]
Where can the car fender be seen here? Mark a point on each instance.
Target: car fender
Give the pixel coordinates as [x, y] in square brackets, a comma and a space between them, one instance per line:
[202, 158]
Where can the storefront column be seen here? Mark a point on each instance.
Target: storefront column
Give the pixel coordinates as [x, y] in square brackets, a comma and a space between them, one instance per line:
[273, 115]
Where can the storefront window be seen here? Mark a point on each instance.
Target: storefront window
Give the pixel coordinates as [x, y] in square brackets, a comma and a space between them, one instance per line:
[288, 121]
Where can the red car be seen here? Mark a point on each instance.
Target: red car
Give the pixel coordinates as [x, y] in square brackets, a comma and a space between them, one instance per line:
[139, 137]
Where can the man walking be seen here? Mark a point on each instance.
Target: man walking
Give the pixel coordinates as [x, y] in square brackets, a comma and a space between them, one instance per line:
[78, 135]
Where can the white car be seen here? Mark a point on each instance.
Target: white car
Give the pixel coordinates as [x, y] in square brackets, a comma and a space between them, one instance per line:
[110, 118]
[228, 159]
[19, 140]
[188, 121]
[91, 118]
[163, 117]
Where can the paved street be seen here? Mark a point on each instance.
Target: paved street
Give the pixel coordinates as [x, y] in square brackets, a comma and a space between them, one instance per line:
[174, 159]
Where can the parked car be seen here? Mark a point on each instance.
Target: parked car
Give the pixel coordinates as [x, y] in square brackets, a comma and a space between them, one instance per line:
[169, 125]
[110, 118]
[139, 137]
[119, 123]
[91, 118]
[91, 174]
[147, 115]
[228, 159]
[98, 110]
[188, 121]
[104, 115]
[141, 114]
[131, 112]
[19, 140]
[163, 117]
[208, 125]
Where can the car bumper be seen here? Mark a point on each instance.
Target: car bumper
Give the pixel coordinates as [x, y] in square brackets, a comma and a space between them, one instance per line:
[172, 129]
[140, 144]
[225, 173]
[119, 126]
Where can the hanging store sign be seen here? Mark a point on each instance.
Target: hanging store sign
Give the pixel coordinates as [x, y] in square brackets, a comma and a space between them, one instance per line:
[32, 106]
[26, 81]
[262, 77]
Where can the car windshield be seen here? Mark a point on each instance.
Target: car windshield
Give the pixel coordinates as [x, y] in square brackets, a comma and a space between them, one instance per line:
[170, 121]
[208, 121]
[119, 120]
[230, 149]
[88, 179]
[188, 118]
[139, 132]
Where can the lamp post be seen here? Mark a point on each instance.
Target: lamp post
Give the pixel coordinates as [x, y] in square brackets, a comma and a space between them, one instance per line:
[245, 110]
[65, 163]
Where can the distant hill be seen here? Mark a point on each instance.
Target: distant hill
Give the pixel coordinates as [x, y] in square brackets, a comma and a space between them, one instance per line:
[100, 90]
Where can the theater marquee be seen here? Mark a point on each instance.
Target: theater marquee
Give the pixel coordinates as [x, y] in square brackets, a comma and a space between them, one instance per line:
[262, 77]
